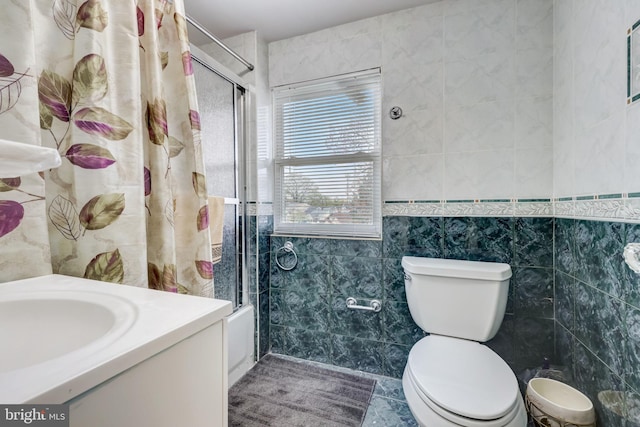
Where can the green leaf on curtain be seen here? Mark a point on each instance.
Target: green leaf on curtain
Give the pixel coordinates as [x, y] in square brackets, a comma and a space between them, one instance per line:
[183, 290]
[107, 267]
[89, 156]
[164, 59]
[101, 211]
[157, 121]
[64, 217]
[159, 17]
[181, 24]
[154, 276]
[175, 147]
[205, 269]
[98, 121]
[63, 13]
[11, 214]
[199, 184]
[54, 91]
[169, 278]
[46, 118]
[9, 184]
[203, 218]
[91, 15]
[90, 79]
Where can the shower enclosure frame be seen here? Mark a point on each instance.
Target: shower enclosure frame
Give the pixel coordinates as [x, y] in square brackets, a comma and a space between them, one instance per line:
[240, 91]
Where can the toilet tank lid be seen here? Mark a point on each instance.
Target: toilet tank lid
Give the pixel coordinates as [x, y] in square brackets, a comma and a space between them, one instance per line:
[479, 270]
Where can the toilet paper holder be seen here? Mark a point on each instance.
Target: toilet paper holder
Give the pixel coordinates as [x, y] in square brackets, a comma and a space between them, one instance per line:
[375, 305]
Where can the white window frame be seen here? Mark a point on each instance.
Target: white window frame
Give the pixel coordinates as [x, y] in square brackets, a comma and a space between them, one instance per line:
[371, 230]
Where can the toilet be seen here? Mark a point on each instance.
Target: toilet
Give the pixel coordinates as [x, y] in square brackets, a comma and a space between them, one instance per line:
[451, 379]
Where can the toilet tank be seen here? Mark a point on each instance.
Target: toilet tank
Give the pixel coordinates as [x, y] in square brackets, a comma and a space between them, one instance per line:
[463, 299]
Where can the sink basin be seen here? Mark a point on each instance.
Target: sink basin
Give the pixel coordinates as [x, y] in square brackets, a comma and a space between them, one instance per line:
[44, 326]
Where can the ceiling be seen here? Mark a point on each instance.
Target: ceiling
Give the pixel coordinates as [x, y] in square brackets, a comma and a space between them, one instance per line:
[281, 19]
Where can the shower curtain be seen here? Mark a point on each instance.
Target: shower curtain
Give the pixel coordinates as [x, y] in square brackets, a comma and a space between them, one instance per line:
[110, 85]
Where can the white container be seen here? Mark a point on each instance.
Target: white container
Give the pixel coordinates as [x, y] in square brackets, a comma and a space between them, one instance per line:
[556, 404]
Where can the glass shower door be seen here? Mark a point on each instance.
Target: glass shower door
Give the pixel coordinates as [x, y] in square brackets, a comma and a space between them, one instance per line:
[220, 102]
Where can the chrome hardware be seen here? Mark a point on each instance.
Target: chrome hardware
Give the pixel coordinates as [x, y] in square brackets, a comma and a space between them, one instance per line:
[407, 277]
[395, 113]
[375, 305]
[285, 250]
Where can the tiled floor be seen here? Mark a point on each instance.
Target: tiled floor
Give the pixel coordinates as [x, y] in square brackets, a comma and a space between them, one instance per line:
[388, 407]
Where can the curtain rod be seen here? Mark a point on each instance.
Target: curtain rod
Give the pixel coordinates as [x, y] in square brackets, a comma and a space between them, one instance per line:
[213, 38]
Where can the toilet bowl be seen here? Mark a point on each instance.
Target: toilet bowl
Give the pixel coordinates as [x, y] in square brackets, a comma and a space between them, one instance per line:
[451, 379]
[451, 382]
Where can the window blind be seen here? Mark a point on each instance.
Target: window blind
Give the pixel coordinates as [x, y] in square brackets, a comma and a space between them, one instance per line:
[327, 157]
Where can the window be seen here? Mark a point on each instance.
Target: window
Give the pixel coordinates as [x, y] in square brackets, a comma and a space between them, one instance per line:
[327, 159]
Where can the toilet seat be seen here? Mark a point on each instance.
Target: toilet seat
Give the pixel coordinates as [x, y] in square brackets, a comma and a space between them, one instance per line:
[463, 381]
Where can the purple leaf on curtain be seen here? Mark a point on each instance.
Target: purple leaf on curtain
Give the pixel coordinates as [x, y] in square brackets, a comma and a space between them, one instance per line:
[98, 121]
[64, 217]
[157, 121]
[6, 67]
[140, 16]
[8, 184]
[11, 214]
[106, 267]
[154, 276]
[199, 184]
[194, 118]
[90, 78]
[54, 91]
[91, 15]
[89, 156]
[205, 269]
[63, 13]
[102, 210]
[187, 65]
[203, 218]
[147, 181]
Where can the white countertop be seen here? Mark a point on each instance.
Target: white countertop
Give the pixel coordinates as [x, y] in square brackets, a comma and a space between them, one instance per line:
[146, 323]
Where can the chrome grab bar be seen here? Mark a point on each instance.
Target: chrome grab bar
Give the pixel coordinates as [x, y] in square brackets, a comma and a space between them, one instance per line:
[375, 305]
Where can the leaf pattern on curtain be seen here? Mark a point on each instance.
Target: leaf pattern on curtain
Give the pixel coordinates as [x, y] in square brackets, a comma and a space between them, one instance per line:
[128, 205]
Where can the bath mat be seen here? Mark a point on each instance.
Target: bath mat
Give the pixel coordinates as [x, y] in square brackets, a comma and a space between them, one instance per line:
[281, 392]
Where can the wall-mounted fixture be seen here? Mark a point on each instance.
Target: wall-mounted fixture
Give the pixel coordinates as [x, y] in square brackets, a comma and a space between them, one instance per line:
[375, 305]
[395, 113]
[286, 257]
[632, 256]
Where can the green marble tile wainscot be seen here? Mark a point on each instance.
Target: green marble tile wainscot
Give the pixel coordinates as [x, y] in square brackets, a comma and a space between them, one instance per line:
[596, 241]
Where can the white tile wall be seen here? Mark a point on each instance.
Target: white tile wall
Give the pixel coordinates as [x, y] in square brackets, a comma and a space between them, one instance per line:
[474, 79]
[595, 137]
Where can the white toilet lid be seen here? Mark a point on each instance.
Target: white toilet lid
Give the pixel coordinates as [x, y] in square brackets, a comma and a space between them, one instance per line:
[464, 377]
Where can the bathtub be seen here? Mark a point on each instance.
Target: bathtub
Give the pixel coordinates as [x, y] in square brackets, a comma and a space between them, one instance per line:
[241, 344]
[117, 355]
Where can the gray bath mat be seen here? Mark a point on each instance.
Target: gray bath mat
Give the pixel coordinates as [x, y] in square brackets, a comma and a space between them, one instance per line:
[281, 392]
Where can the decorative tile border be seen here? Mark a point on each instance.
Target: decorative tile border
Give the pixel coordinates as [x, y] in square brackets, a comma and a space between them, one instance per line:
[613, 207]
[491, 207]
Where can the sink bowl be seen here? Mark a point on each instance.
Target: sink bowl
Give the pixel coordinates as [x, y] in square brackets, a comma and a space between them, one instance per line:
[42, 327]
